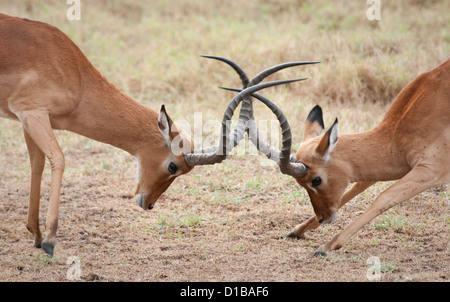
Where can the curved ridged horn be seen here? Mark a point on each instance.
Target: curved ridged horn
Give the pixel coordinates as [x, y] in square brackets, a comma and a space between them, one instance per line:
[265, 73]
[244, 78]
[282, 157]
[220, 152]
[246, 112]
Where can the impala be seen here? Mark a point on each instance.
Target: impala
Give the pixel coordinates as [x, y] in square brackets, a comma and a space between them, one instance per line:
[47, 83]
[411, 144]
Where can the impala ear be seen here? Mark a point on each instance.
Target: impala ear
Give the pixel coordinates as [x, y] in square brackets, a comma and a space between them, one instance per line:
[314, 124]
[328, 141]
[166, 126]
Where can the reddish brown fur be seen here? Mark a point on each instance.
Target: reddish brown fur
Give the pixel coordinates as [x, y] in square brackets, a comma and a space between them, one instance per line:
[412, 143]
[47, 83]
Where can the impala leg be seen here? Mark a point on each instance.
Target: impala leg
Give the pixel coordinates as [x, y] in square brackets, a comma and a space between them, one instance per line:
[312, 222]
[37, 161]
[415, 182]
[38, 127]
[299, 230]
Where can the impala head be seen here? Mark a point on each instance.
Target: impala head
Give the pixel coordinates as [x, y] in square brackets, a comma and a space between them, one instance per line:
[165, 164]
[162, 162]
[325, 179]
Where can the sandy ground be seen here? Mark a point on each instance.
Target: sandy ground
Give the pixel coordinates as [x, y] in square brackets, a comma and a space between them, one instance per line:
[205, 229]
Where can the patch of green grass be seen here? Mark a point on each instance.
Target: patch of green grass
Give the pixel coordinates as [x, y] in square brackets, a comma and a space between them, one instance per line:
[194, 191]
[296, 196]
[190, 220]
[42, 260]
[388, 267]
[165, 221]
[255, 183]
[172, 221]
[396, 222]
[216, 198]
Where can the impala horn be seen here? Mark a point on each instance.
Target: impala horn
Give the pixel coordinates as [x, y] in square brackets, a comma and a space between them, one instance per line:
[217, 154]
[283, 158]
[246, 112]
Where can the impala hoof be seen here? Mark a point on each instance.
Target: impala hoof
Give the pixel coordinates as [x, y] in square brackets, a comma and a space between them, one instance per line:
[320, 254]
[292, 235]
[48, 248]
[38, 243]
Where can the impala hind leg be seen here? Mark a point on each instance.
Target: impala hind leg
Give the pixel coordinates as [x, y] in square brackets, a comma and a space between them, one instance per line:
[37, 161]
[416, 181]
[37, 126]
[312, 222]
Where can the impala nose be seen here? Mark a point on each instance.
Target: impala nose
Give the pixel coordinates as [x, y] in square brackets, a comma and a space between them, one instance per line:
[140, 201]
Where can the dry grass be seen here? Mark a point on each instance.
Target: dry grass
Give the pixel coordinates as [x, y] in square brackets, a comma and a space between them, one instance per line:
[225, 222]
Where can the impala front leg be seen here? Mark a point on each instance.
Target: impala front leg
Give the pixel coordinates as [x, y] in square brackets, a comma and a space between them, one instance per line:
[312, 222]
[37, 161]
[415, 182]
[300, 229]
[37, 126]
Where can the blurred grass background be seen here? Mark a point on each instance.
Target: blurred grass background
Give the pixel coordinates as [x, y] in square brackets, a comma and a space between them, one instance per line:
[151, 50]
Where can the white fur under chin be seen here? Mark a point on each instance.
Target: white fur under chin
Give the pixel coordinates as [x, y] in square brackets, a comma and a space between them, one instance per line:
[139, 198]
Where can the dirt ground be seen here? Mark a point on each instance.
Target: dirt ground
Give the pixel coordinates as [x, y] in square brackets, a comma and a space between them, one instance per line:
[215, 232]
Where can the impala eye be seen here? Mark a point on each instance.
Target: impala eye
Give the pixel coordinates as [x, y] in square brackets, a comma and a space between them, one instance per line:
[173, 168]
[316, 181]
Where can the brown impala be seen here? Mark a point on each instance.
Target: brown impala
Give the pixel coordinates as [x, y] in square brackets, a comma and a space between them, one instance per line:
[47, 83]
[412, 144]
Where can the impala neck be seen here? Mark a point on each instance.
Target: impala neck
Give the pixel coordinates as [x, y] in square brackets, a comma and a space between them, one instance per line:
[107, 115]
[371, 155]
